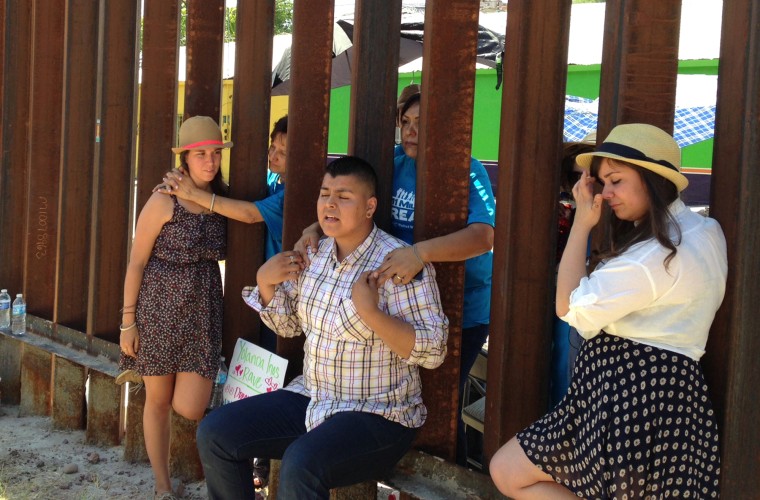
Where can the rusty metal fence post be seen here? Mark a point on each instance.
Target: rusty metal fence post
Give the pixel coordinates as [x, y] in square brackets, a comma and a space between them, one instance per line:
[535, 70]
[733, 349]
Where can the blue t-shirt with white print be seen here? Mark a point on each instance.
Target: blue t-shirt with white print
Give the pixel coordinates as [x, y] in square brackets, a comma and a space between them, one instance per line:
[272, 208]
[481, 209]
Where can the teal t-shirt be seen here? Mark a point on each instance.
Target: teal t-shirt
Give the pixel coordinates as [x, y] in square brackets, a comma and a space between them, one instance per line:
[481, 209]
[272, 208]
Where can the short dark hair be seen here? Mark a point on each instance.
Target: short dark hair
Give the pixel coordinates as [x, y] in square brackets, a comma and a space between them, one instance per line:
[280, 127]
[353, 165]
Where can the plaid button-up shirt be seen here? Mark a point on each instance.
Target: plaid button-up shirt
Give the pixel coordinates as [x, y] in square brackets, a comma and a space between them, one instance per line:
[346, 366]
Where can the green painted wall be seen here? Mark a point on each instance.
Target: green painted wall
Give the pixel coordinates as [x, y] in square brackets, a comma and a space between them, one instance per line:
[582, 81]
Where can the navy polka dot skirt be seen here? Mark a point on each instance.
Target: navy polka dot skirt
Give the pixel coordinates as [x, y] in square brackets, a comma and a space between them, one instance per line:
[636, 422]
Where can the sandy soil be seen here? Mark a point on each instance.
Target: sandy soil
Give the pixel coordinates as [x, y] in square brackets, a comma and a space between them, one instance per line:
[37, 462]
[40, 463]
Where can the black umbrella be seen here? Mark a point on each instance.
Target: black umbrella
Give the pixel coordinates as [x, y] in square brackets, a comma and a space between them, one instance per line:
[410, 48]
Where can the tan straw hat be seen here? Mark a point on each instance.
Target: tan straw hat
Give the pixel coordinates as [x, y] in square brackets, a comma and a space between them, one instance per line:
[406, 93]
[644, 145]
[200, 132]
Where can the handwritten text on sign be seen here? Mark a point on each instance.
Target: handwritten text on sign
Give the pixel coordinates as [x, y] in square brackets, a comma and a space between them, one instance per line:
[253, 370]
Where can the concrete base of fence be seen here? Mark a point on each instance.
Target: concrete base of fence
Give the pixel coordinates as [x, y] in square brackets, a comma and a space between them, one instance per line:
[422, 476]
[69, 407]
[103, 410]
[10, 369]
[27, 365]
[361, 491]
[184, 461]
[36, 371]
[367, 490]
[134, 441]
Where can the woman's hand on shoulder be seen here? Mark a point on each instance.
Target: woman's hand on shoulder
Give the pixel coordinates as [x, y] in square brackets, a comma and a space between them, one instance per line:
[309, 240]
[399, 266]
[165, 187]
[178, 183]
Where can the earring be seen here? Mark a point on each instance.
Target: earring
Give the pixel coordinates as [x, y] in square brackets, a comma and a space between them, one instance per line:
[369, 215]
[398, 135]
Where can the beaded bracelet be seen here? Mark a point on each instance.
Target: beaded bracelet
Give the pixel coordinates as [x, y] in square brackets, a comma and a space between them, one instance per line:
[213, 199]
[122, 328]
[414, 249]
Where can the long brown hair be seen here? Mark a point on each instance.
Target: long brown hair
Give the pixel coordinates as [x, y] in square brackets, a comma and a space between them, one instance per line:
[622, 235]
[218, 186]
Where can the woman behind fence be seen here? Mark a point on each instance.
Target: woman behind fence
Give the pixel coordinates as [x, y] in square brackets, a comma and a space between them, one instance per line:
[637, 420]
[171, 330]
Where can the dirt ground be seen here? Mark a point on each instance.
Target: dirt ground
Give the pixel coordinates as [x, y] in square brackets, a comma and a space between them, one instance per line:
[37, 462]
[40, 463]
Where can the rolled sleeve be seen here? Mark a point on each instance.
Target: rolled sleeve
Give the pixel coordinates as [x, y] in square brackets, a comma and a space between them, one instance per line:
[419, 304]
[279, 314]
[608, 294]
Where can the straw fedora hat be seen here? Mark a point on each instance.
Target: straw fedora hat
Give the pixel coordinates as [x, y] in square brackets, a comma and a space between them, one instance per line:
[200, 132]
[406, 93]
[644, 145]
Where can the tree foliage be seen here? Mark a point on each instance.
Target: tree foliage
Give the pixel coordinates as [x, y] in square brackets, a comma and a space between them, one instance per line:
[283, 20]
[283, 16]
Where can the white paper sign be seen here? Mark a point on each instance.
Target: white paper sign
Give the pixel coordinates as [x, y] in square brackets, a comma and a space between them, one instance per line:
[253, 370]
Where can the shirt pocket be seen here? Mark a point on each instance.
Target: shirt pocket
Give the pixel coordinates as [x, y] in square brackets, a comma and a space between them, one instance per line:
[350, 327]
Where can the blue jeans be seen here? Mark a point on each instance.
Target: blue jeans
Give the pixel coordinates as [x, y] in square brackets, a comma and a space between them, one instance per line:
[347, 448]
[267, 338]
[473, 339]
[566, 343]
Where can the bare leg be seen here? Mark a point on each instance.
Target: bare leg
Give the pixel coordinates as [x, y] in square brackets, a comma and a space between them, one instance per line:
[158, 396]
[191, 395]
[517, 477]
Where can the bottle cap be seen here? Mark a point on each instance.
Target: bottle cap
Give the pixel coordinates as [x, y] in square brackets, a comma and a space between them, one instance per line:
[19, 295]
[4, 290]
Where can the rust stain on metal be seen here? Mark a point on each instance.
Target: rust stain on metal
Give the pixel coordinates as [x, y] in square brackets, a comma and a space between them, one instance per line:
[184, 461]
[103, 410]
[442, 190]
[36, 371]
[134, 442]
[69, 381]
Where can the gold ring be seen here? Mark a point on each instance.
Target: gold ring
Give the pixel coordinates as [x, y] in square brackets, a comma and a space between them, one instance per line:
[400, 279]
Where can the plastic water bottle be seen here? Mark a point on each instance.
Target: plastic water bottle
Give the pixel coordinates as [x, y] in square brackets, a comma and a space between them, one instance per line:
[217, 392]
[18, 315]
[5, 309]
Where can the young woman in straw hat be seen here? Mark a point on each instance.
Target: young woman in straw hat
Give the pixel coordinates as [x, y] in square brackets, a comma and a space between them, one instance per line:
[637, 419]
[171, 330]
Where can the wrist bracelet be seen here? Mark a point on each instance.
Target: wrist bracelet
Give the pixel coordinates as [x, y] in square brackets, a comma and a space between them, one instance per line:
[123, 328]
[213, 199]
[414, 249]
